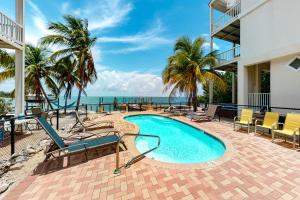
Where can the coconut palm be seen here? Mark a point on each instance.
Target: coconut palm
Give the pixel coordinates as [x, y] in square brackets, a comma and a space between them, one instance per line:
[188, 67]
[7, 63]
[37, 71]
[66, 77]
[74, 38]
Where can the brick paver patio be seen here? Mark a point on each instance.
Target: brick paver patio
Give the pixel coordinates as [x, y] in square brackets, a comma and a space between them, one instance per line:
[257, 170]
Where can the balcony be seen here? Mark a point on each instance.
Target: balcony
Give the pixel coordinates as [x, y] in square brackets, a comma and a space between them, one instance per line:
[227, 27]
[11, 33]
[227, 60]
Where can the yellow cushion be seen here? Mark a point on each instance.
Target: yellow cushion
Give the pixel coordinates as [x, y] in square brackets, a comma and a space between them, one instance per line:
[267, 127]
[286, 132]
[270, 119]
[292, 122]
[246, 116]
[243, 122]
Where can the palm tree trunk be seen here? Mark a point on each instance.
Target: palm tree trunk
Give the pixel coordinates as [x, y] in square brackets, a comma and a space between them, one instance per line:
[194, 98]
[79, 94]
[45, 95]
[66, 103]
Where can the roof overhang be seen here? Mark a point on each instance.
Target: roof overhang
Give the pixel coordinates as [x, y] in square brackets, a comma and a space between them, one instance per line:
[220, 5]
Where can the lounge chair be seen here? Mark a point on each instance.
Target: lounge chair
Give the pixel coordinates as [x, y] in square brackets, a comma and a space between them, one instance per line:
[270, 121]
[207, 116]
[77, 146]
[291, 127]
[245, 119]
[170, 109]
[81, 125]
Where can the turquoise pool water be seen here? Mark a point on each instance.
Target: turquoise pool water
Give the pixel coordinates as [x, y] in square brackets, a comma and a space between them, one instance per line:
[180, 142]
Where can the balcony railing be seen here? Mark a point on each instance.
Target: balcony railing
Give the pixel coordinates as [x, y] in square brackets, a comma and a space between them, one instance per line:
[259, 99]
[227, 18]
[11, 30]
[228, 55]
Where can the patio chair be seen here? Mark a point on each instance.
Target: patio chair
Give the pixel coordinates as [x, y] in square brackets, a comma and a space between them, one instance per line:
[77, 146]
[207, 116]
[38, 112]
[291, 127]
[270, 121]
[245, 119]
[84, 125]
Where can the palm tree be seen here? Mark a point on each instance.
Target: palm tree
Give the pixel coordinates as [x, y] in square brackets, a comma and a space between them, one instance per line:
[188, 67]
[66, 77]
[37, 71]
[7, 63]
[74, 38]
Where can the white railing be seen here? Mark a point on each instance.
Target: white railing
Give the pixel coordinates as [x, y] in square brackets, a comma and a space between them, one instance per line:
[11, 30]
[228, 17]
[259, 100]
[229, 55]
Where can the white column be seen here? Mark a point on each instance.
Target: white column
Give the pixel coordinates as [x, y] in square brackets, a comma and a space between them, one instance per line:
[233, 87]
[20, 63]
[242, 84]
[211, 91]
[211, 29]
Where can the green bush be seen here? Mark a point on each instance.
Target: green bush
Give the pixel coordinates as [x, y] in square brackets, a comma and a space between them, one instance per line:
[5, 106]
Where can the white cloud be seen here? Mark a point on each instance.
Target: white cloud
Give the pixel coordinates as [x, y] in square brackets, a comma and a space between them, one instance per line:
[112, 82]
[140, 41]
[39, 29]
[101, 15]
[107, 14]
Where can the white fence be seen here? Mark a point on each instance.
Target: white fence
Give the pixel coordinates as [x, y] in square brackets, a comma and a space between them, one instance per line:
[227, 18]
[11, 30]
[259, 99]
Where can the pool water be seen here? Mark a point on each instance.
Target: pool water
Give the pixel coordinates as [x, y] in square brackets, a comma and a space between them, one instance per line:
[180, 142]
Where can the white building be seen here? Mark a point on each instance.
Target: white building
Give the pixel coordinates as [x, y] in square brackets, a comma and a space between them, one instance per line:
[265, 37]
[12, 37]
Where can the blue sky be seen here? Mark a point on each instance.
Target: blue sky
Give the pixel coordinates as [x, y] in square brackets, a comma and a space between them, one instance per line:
[135, 37]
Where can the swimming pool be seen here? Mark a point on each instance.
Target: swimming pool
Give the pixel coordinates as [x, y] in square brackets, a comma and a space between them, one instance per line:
[179, 142]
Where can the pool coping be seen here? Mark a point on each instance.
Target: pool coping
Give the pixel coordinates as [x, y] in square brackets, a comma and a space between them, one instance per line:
[228, 154]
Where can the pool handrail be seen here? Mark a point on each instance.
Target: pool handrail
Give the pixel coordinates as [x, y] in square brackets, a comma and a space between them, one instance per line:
[118, 168]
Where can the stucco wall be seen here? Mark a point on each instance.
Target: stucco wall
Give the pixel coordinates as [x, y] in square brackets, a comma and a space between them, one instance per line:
[285, 83]
[270, 31]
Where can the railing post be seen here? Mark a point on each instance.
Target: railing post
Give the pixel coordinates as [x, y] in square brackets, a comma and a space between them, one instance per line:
[57, 119]
[86, 111]
[12, 136]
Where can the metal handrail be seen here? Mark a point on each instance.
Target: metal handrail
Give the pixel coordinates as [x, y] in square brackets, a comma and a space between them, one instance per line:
[118, 168]
[227, 17]
[229, 55]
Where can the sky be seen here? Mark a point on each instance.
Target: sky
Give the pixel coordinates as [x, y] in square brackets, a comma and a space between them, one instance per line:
[135, 37]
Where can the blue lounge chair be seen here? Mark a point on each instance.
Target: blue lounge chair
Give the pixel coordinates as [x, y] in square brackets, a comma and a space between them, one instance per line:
[77, 146]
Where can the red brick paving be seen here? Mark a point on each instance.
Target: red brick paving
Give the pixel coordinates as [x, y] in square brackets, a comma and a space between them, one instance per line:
[258, 170]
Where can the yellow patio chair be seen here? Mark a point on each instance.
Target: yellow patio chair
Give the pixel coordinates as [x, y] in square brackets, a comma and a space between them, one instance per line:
[270, 121]
[245, 119]
[291, 127]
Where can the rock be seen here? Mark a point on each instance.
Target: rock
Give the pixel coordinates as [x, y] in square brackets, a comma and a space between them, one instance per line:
[30, 150]
[21, 159]
[17, 166]
[23, 152]
[4, 167]
[3, 187]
